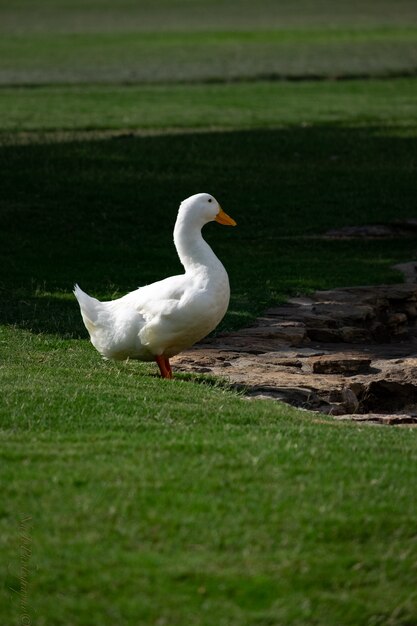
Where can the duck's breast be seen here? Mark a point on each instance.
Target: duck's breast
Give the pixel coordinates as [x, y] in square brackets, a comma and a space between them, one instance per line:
[189, 319]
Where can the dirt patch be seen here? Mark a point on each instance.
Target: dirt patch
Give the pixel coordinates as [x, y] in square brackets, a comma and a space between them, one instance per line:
[350, 353]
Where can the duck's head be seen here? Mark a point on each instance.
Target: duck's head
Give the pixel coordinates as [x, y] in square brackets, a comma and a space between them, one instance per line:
[203, 208]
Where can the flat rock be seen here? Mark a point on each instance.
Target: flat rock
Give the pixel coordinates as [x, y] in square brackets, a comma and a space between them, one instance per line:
[381, 418]
[350, 353]
[339, 363]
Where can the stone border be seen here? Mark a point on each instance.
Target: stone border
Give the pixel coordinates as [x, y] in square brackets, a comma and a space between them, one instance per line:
[350, 353]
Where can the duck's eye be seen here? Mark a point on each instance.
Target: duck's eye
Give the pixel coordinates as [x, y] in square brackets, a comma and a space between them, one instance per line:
[210, 200]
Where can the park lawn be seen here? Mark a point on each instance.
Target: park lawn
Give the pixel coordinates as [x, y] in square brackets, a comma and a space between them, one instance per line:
[175, 502]
[180, 502]
[99, 41]
[206, 56]
[385, 103]
[125, 16]
[171, 501]
[112, 197]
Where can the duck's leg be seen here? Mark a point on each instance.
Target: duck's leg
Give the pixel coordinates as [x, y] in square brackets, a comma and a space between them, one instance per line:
[165, 371]
[168, 367]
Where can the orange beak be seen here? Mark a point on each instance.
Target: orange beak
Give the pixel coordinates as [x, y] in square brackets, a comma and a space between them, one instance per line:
[223, 218]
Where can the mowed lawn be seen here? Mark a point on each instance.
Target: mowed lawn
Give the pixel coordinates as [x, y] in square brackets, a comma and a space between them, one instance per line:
[100, 41]
[156, 57]
[127, 499]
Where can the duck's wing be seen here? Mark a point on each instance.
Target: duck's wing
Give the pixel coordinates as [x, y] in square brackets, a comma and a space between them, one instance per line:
[163, 307]
[160, 298]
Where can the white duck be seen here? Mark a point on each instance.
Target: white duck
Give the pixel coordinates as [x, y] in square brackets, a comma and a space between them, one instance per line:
[158, 321]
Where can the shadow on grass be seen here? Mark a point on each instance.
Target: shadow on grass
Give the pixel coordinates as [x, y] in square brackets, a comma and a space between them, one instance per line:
[100, 212]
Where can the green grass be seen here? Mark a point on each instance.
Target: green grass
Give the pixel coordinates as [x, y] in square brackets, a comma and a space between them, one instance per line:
[205, 56]
[245, 105]
[92, 16]
[113, 202]
[193, 41]
[179, 502]
[99, 41]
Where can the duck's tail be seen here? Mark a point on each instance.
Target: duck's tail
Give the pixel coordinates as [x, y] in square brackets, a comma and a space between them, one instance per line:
[90, 308]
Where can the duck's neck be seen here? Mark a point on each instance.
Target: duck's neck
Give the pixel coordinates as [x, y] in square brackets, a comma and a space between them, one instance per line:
[194, 252]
